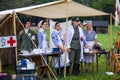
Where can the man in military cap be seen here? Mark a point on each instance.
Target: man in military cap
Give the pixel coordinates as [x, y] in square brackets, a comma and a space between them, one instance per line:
[26, 36]
[75, 35]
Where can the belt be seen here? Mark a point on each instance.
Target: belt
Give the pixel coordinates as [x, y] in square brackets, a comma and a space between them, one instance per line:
[75, 38]
[89, 40]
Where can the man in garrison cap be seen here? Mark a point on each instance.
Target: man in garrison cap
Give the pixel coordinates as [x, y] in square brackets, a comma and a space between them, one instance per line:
[75, 35]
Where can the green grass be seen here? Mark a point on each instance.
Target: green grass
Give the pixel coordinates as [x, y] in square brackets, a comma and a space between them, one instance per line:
[100, 75]
[104, 39]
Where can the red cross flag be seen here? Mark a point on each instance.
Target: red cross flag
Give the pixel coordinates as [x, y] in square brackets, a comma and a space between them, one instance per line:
[117, 12]
[8, 41]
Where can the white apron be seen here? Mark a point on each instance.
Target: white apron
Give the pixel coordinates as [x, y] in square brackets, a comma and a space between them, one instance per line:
[44, 41]
[62, 56]
[81, 55]
[90, 46]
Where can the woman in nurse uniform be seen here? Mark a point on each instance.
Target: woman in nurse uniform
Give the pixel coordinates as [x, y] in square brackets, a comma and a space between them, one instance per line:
[42, 36]
[91, 40]
[59, 42]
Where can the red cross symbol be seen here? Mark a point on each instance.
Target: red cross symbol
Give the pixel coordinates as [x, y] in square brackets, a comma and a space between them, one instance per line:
[11, 41]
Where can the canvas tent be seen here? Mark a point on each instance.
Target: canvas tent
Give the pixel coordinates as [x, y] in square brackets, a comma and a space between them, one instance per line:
[7, 29]
[63, 9]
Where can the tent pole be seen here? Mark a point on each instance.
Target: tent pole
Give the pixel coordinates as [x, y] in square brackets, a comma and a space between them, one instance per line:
[14, 25]
[5, 20]
[66, 40]
[65, 47]
[110, 40]
[47, 20]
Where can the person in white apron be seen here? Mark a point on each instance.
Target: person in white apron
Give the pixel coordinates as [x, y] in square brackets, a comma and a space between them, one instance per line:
[59, 42]
[42, 36]
[91, 37]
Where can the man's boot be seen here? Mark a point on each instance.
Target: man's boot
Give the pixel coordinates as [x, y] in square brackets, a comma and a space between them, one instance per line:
[78, 70]
[74, 71]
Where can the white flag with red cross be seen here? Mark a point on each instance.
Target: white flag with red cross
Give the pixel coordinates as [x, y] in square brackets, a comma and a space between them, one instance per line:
[117, 12]
[8, 41]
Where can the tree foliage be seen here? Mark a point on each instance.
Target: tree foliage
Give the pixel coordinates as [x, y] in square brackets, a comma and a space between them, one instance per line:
[103, 5]
[9, 4]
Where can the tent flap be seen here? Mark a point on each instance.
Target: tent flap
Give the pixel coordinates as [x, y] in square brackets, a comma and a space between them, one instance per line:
[6, 29]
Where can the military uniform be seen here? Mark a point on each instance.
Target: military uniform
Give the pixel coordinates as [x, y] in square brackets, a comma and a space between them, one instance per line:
[26, 41]
[74, 55]
[75, 34]
[75, 47]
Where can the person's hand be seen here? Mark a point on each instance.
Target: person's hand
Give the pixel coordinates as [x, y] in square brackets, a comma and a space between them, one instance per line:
[95, 41]
[86, 45]
[62, 49]
[81, 38]
[68, 50]
[21, 32]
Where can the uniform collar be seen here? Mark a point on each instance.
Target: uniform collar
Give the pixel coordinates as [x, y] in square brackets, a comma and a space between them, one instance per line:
[41, 30]
[75, 27]
[26, 30]
[57, 31]
[90, 32]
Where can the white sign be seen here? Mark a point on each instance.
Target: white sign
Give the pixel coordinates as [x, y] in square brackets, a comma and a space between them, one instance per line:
[8, 41]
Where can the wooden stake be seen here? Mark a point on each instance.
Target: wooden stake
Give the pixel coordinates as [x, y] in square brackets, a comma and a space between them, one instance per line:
[66, 40]
[14, 25]
[110, 39]
[5, 20]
